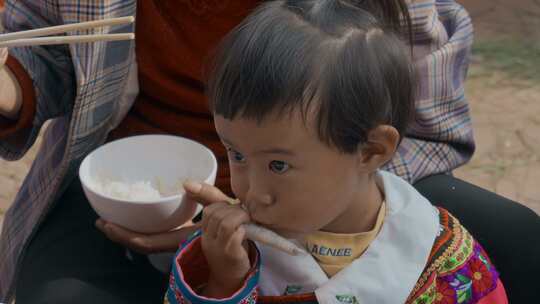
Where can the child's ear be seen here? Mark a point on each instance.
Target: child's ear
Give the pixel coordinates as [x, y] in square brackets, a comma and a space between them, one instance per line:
[380, 147]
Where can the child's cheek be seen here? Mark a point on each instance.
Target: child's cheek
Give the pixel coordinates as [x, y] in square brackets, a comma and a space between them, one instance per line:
[239, 184]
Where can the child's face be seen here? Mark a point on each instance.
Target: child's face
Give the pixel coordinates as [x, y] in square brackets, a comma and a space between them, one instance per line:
[288, 179]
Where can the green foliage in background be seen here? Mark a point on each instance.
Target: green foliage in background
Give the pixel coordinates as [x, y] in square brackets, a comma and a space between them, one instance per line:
[519, 58]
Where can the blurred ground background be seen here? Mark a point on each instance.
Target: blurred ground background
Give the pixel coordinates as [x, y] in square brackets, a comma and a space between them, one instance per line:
[503, 89]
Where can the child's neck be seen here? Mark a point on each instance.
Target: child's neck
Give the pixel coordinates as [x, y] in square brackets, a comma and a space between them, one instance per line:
[361, 215]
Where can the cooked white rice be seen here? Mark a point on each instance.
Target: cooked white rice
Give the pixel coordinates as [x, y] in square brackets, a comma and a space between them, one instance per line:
[138, 191]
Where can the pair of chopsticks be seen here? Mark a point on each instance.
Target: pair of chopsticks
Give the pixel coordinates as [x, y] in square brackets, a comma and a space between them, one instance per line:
[32, 37]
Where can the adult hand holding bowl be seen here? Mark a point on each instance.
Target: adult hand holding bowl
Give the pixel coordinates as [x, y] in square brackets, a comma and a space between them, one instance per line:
[154, 168]
[10, 97]
[165, 241]
[136, 182]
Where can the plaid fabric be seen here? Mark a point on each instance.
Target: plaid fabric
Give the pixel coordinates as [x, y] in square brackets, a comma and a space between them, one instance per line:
[82, 88]
[441, 136]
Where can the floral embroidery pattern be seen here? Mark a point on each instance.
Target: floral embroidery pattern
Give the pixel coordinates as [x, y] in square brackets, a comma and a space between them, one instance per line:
[445, 294]
[461, 273]
[483, 275]
[428, 295]
[460, 256]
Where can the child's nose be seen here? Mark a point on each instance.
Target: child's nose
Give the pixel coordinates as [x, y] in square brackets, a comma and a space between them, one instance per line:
[257, 191]
[254, 199]
[265, 199]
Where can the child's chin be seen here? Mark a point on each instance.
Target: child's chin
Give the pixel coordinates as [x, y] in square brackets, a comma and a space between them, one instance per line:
[289, 234]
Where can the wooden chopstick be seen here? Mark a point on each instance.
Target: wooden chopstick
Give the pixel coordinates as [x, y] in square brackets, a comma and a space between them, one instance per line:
[66, 39]
[65, 28]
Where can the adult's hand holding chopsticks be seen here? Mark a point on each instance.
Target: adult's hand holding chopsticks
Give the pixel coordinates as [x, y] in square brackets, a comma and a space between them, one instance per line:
[10, 91]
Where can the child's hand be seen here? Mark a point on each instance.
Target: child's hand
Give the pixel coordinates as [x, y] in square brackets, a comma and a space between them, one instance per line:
[225, 248]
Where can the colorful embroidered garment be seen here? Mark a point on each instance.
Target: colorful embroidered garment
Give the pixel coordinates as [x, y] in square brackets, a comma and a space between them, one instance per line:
[392, 269]
[458, 271]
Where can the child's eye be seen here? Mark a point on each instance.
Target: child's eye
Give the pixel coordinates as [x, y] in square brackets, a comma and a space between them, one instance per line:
[236, 156]
[278, 166]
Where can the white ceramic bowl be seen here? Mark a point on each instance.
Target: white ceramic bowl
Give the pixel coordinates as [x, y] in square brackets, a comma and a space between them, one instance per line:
[166, 160]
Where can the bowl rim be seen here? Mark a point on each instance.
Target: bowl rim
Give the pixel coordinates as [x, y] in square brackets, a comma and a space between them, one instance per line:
[166, 199]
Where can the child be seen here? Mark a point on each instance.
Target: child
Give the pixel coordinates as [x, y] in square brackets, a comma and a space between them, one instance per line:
[310, 98]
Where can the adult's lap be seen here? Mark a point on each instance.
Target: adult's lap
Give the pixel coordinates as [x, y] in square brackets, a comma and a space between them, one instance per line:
[70, 261]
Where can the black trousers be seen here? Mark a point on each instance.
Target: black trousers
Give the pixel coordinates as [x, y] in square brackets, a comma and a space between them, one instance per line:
[70, 261]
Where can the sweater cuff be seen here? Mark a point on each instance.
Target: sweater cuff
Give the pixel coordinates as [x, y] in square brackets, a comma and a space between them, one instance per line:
[27, 112]
[190, 271]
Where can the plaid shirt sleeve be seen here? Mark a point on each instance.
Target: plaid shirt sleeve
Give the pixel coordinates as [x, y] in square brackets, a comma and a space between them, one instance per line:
[441, 137]
[49, 67]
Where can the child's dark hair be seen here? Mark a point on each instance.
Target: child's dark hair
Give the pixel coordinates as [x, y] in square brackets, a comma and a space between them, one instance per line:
[325, 57]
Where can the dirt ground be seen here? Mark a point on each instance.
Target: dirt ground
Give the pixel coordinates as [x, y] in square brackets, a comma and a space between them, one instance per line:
[504, 93]
[503, 89]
